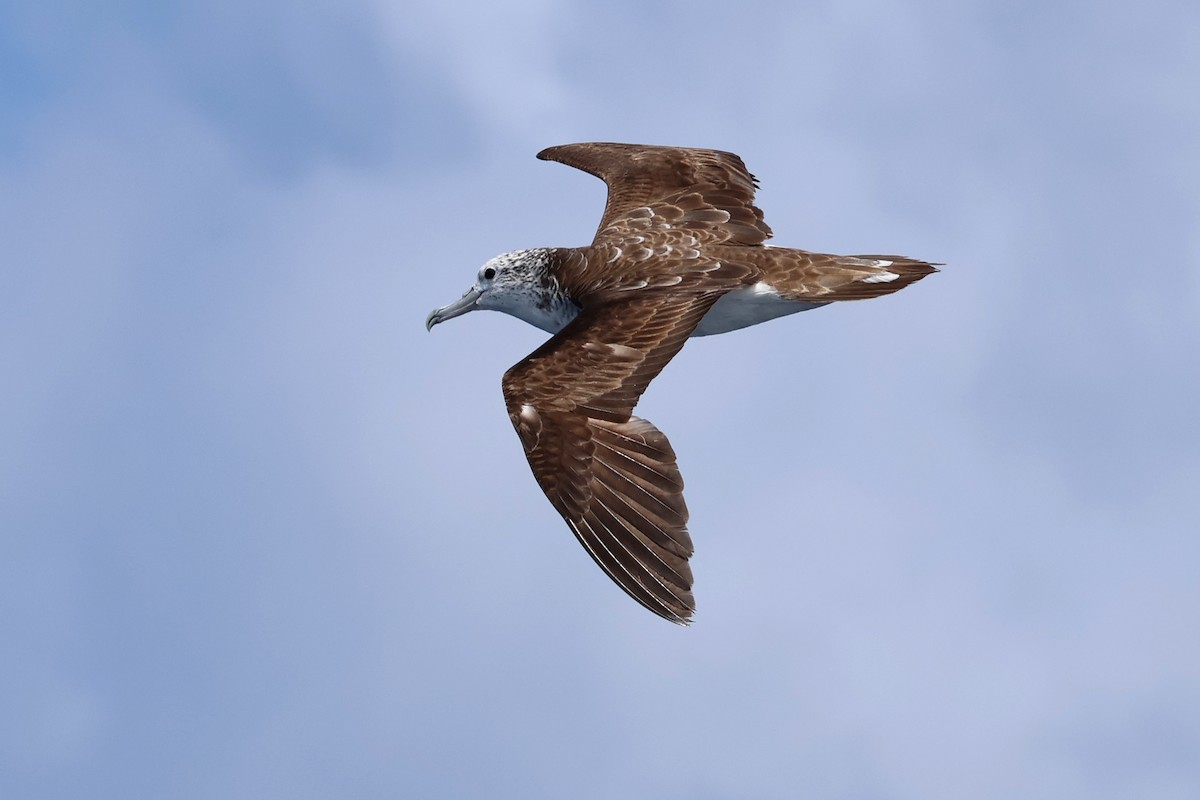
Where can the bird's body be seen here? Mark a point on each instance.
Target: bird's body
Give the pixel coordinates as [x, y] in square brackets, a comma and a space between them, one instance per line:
[680, 252]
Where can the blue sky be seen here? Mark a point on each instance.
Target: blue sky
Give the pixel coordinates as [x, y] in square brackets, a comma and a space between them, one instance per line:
[264, 536]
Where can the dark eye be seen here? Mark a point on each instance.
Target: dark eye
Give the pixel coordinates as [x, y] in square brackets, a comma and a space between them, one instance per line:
[489, 273]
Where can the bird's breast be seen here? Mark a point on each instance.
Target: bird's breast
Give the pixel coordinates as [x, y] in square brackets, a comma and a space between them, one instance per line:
[748, 306]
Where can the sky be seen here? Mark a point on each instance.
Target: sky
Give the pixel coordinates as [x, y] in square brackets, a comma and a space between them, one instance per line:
[264, 536]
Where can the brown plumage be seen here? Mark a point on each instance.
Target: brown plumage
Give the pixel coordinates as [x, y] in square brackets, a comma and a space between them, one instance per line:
[679, 252]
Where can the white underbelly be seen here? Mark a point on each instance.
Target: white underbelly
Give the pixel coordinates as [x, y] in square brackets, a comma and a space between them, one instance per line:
[748, 306]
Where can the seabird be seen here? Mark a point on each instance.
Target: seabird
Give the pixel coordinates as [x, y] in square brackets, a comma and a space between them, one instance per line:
[680, 252]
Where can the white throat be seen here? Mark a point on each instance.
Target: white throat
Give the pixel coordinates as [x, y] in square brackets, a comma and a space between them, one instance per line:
[551, 315]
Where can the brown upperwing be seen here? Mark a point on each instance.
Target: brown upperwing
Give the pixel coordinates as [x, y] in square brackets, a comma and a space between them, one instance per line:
[612, 476]
[669, 196]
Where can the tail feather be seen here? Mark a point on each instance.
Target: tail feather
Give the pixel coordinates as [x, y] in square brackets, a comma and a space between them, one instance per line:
[826, 278]
[862, 277]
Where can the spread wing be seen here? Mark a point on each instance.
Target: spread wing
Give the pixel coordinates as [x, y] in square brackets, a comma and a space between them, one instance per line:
[669, 196]
[612, 476]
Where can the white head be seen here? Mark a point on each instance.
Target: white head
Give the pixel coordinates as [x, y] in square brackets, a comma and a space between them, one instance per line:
[518, 283]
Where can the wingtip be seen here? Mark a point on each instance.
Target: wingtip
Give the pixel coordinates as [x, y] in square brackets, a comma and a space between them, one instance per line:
[683, 617]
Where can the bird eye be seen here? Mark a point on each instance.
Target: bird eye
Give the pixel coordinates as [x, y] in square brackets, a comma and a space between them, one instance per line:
[489, 273]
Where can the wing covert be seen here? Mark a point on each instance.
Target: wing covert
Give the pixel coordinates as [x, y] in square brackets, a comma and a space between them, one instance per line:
[669, 195]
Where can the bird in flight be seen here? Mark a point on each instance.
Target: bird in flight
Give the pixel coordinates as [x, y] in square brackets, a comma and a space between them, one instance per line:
[681, 251]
